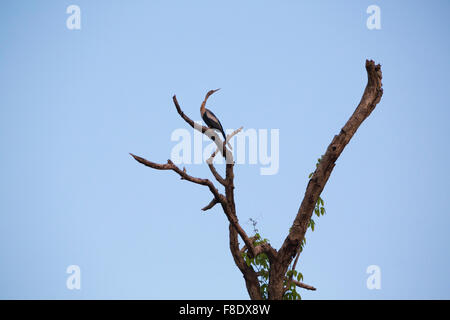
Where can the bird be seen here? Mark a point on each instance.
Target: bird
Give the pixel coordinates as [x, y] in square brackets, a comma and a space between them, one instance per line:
[211, 120]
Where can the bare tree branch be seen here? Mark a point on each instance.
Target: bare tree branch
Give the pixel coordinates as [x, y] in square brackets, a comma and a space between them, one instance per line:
[211, 159]
[299, 284]
[371, 96]
[200, 128]
[219, 197]
[213, 170]
[211, 204]
[171, 166]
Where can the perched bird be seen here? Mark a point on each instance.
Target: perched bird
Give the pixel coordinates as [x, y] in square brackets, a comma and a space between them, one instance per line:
[211, 120]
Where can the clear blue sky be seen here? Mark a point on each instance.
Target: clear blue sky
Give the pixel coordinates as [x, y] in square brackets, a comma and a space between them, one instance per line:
[74, 103]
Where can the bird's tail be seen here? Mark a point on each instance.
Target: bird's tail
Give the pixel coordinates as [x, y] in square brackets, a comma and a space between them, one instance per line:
[225, 140]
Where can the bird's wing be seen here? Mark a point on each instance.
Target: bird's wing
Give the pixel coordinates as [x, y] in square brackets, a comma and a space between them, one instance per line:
[211, 116]
[213, 122]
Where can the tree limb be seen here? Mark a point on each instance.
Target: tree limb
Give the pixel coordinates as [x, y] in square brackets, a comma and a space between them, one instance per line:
[213, 170]
[299, 284]
[211, 204]
[171, 166]
[371, 96]
[295, 261]
[219, 197]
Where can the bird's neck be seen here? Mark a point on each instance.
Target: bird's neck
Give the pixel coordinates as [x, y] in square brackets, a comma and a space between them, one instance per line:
[202, 109]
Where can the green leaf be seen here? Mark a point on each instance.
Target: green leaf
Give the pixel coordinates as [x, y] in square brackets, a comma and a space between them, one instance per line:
[311, 224]
[320, 200]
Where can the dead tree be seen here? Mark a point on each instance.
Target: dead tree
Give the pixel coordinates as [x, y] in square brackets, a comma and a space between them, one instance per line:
[282, 258]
